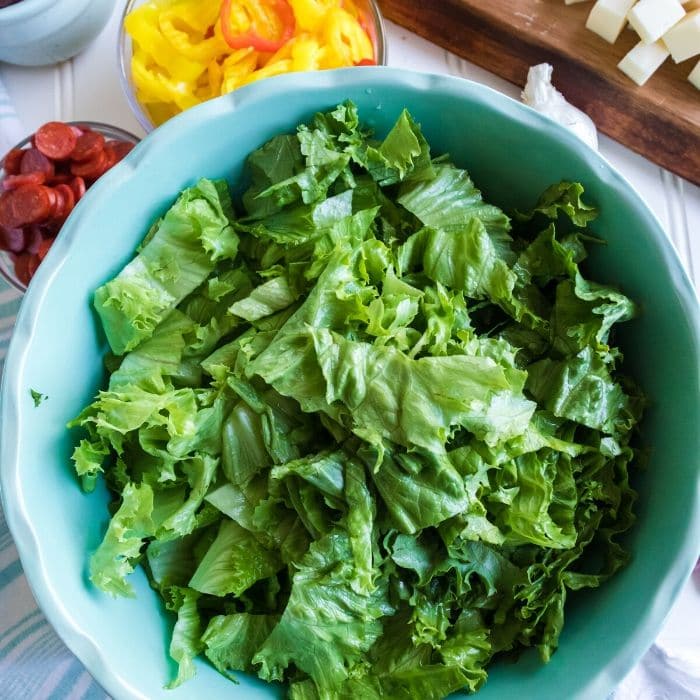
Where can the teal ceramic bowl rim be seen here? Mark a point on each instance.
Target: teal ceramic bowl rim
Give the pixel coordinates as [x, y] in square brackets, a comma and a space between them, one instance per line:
[86, 649]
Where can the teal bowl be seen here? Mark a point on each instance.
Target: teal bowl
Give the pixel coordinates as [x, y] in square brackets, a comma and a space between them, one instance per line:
[513, 153]
[42, 32]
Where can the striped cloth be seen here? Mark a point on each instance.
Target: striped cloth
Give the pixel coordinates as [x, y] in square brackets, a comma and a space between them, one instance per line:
[34, 662]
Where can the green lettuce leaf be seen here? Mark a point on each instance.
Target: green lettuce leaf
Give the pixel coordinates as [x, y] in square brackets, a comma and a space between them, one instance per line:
[188, 241]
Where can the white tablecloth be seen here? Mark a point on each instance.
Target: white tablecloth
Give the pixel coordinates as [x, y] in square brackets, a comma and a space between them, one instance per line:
[34, 663]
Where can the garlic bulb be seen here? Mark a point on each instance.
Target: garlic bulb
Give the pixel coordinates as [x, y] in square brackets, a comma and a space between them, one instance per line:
[541, 95]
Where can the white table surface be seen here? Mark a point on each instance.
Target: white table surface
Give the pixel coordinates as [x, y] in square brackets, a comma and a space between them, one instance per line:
[88, 88]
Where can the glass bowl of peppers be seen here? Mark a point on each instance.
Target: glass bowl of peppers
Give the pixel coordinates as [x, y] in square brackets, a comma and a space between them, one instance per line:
[42, 179]
[175, 54]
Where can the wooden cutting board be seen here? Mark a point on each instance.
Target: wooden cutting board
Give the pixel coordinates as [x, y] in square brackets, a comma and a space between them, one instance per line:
[660, 120]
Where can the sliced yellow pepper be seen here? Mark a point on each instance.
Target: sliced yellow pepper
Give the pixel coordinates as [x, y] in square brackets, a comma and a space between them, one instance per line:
[236, 68]
[142, 25]
[189, 45]
[306, 53]
[157, 87]
[344, 35]
[195, 15]
[309, 14]
[276, 68]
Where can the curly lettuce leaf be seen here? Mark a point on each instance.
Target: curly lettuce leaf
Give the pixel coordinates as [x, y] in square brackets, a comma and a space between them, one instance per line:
[193, 235]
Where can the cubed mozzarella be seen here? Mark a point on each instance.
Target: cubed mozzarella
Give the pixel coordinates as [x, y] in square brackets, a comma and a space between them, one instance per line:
[651, 19]
[683, 39]
[607, 18]
[641, 62]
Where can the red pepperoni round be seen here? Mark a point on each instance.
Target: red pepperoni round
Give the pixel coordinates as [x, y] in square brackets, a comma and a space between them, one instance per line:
[52, 197]
[12, 161]
[55, 140]
[76, 130]
[22, 268]
[12, 182]
[110, 162]
[77, 184]
[120, 148]
[88, 146]
[57, 206]
[44, 248]
[90, 169]
[66, 192]
[12, 239]
[34, 161]
[28, 204]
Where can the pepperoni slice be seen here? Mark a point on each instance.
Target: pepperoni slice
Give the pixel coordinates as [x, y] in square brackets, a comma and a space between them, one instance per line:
[90, 169]
[34, 161]
[77, 184]
[12, 161]
[55, 140]
[120, 148]
[52, 197]
[12, 182]
[57, 206]
[12, 239]
[88, 146]
[66, 192]
[28, 204]
[44, 248]
[110, 162]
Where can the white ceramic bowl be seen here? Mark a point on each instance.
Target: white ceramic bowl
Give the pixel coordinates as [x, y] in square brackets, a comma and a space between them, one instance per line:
[41, 32]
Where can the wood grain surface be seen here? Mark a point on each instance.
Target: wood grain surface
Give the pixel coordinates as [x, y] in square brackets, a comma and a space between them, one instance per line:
[660, 120]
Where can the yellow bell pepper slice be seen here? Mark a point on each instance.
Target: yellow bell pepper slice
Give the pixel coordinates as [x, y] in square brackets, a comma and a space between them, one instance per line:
[239, 65]
[157, 87]
[309, 14]
[192, 46]
[346, 38]
[306, 53]
[142, 25]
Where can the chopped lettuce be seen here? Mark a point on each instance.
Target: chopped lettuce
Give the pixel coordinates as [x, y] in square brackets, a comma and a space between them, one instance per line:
[366, 432]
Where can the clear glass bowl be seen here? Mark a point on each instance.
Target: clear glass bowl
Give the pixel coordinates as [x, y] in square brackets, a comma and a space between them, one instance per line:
[369, 8]
[7, 260]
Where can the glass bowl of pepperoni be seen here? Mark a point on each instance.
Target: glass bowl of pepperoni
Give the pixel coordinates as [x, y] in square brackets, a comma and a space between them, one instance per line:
[42, 179]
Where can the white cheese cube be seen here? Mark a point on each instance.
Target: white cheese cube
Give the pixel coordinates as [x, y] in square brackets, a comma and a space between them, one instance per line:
[641, 62]
[683, 39]
[694, 76]
[607, 18]
[651, 19]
